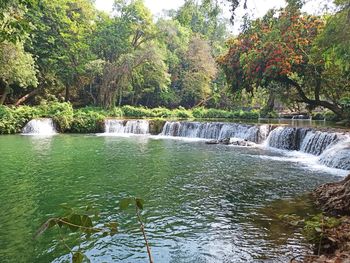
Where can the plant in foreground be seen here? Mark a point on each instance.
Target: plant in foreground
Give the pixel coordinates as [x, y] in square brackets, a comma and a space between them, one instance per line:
[82, 223]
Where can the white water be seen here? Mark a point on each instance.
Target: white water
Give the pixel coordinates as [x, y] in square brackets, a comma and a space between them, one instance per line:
[331, 149]
[121, 127]
[216, 130]
[305, 145]
[42, 126]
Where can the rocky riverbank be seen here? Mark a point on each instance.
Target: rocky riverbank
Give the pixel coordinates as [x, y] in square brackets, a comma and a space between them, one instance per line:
[334, 244]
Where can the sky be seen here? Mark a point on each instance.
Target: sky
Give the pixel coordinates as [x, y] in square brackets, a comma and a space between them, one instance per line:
[257, 8]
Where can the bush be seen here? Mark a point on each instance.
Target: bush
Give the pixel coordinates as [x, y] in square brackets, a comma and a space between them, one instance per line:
[89, 119]
[61, 113]
[87, 122]
[161, 112]
[316, 227]
[130, 111]
[182, 113]
[115, 112]
[14, 119]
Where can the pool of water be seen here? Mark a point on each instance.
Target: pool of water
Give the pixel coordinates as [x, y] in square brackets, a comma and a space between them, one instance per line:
[203, 203]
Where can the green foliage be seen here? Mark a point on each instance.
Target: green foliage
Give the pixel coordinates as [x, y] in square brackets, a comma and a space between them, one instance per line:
[315, 228]
[90, 119]
[61, 113]
[87, 122]
[130, 111]
[12, 120]
[78, 223]
[182, 113]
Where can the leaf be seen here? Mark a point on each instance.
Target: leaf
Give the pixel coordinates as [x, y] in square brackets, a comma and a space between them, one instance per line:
[86, 221]
[76, 220]
[317, 229]
[78, 257]
[139, 203]
[124, 203]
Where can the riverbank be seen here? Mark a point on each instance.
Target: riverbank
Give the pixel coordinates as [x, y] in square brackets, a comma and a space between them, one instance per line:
[331, 232]
[89, 119]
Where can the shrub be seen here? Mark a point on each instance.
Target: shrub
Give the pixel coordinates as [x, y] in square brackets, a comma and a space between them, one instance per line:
[182, 113]
[161, 112]
[199, 112]
[130, 111]
[14, 119]
[61, 113]
[115, 112]
[87, 122]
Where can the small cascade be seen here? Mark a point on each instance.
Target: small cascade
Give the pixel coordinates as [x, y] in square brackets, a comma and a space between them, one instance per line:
[43, 126]
[113, 126]
[315, 142]
[338, 155]
[287, 138]
[333, 148]
[216, 130]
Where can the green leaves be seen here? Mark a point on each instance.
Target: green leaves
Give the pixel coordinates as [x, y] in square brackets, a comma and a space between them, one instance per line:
[77, 257]
[139, 203]
[81, 223]
[126, 202]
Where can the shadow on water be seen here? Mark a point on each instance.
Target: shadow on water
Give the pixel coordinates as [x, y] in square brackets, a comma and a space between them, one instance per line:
[283, 219]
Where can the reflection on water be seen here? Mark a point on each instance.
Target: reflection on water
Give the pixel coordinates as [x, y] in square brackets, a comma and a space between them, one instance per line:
[204, 203]
[41, 144]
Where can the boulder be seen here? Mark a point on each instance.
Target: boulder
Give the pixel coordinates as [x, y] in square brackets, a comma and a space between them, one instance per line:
[212, 142]
[241, 142]
[334, 198]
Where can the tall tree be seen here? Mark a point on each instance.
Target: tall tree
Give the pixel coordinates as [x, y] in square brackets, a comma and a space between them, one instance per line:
[282, 48]
[62, 29]
[17, 68]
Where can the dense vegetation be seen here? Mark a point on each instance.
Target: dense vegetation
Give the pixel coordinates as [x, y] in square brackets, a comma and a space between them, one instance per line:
[67, 50]
[90, 119]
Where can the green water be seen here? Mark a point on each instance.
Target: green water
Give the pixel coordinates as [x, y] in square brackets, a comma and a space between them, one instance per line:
[203, 203]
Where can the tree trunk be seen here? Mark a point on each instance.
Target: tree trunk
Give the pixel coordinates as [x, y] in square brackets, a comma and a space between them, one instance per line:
[26, 97]
[120, 97]
[331, 106]
[4, 95]
[67, 94]
[270, 102]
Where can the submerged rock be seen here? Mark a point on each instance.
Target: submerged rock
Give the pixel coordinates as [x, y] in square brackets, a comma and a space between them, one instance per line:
[225, 141]
[241, 142]
[212, 142]
[334, 198]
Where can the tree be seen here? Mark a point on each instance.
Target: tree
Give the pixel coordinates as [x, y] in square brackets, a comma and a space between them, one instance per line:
[200, 72]
[137, 53]
[17, 67]
[282, 48]
[13, 25]
[60, 36]
[334, 41]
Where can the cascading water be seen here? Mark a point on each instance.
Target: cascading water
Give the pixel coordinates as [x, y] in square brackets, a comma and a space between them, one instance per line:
[44, 126]
[216, 130]
[113, 126]
[337, 156]
[332, 148]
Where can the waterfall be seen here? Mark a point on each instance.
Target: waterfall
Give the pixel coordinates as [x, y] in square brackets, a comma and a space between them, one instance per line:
[44, 126]
[113, 126]
[287, 138]
[337, 156]
[332, 148]
[216, 130]
[315, 142]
